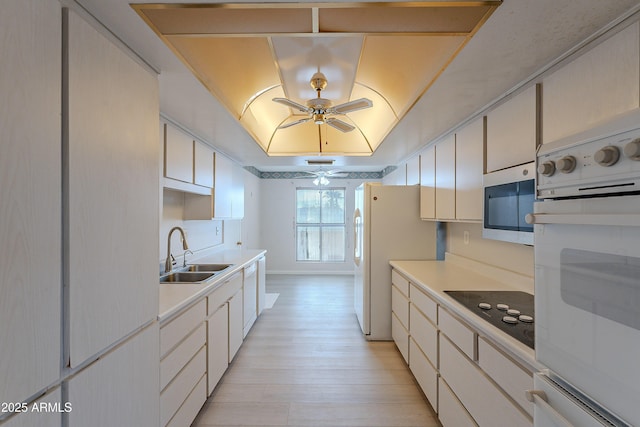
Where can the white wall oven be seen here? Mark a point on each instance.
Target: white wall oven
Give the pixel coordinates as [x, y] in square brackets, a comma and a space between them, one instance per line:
[587, 277]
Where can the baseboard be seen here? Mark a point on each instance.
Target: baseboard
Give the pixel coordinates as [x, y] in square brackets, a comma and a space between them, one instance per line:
[311, 273]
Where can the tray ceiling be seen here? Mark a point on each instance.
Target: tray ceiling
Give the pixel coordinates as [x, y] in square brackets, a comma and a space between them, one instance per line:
[248, 54]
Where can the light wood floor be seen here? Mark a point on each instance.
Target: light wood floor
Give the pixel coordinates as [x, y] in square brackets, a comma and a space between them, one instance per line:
[306, 363]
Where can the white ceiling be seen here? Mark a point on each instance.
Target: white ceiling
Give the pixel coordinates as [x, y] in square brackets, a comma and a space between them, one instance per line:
[521, 38]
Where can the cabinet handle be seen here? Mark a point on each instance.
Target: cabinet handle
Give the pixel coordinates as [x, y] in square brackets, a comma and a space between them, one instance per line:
[539, 397]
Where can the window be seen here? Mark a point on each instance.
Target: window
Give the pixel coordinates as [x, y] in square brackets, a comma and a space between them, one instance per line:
[320, 225]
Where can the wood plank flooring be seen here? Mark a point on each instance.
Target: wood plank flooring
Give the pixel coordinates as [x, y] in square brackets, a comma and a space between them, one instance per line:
[306, 363]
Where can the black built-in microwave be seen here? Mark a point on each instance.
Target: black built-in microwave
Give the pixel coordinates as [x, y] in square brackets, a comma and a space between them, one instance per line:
[508, 198]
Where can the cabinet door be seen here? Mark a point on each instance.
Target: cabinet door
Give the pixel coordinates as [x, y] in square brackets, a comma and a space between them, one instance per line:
[262, 283]
[596, 86]
[223, 191]
[428, 183]
[413, 171]
[203, 164]
[112, 187]
[446, 178]
[45, 418]
[236, 325]
[121, 388]
[178, 154]
[30, 197]
[512, 131]
[217, 345]
[469, 169]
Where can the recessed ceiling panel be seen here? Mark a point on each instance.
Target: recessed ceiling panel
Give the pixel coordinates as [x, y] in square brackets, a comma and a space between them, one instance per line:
[235, 69]
[401, 68]
[300, 57]
[228, 19]
[402, 18]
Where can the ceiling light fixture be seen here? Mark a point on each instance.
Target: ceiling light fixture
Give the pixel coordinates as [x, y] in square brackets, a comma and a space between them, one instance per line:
[321, 181]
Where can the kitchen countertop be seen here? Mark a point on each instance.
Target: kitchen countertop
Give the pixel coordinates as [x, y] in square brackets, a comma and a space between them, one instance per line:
[435, 277]
[174, 297]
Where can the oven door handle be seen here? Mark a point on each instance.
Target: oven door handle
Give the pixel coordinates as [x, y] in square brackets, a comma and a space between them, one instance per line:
[627, 220]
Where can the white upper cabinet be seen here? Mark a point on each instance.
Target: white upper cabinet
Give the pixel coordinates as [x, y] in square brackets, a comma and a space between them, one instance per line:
[203, 164]
[30, 200]
[413, 171]
[428, 183]
[112, 186]
[594, 87]
[512, 131]
[178, 154]
[469, 169]
[446, 178]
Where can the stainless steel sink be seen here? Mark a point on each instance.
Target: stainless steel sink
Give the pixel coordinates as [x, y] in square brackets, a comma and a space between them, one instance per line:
[208, 267]
[186, 277]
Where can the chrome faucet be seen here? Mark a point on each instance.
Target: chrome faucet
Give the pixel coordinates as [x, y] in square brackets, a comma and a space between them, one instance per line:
[168, 264]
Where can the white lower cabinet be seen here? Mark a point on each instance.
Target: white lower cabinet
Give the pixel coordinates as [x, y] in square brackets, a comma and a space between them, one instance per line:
[424, 372]
[183, 363]
[487, 404]
[217, 345]
[400, 336]
[450, 411]
[120, 388]
[468, 380]
[236, 325]
[47, 416]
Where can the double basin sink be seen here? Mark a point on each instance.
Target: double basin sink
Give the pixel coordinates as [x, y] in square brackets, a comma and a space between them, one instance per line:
[194, 273]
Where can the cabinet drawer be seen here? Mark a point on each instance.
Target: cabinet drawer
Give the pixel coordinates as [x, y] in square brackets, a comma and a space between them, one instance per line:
[179, 389]
[513, 379]
[180, 356]
[223, 293]
[400, 306]
[190, 408]
[425, 334]
[476, 392]
[175, 331]
[450, 411]
[458, 333]
[424, 303]
[400, 337]
[425, 373]
[400, 282]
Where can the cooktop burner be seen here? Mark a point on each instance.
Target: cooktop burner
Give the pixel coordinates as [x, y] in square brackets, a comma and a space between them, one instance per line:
[509, 311]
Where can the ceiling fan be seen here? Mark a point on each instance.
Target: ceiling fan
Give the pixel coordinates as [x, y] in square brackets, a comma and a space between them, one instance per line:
[322, 177]
[320, 108]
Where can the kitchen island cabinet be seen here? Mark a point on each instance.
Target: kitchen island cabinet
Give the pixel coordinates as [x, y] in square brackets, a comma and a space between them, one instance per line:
[30, 199]
[468, 369]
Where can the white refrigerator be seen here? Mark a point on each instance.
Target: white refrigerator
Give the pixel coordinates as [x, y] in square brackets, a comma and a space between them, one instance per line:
[387, 226]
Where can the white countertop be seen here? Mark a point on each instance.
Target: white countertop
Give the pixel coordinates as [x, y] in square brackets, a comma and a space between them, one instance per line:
[435, 277]
[176, 296]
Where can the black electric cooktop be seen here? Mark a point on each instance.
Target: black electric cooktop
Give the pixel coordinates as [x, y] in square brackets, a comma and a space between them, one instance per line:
[509, 311]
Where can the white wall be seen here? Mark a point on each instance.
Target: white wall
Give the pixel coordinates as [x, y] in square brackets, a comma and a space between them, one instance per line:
[278, 226]
[509, 256]
[251, 223]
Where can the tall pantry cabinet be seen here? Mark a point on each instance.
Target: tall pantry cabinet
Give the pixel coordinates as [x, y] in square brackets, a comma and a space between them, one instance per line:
[30, 198]
[111, 237]
[78, 223]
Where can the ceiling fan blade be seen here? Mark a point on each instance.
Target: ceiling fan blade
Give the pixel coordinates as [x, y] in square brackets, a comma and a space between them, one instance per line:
[340, 125]
[297, 122]
[347, 107]
[294, 105]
